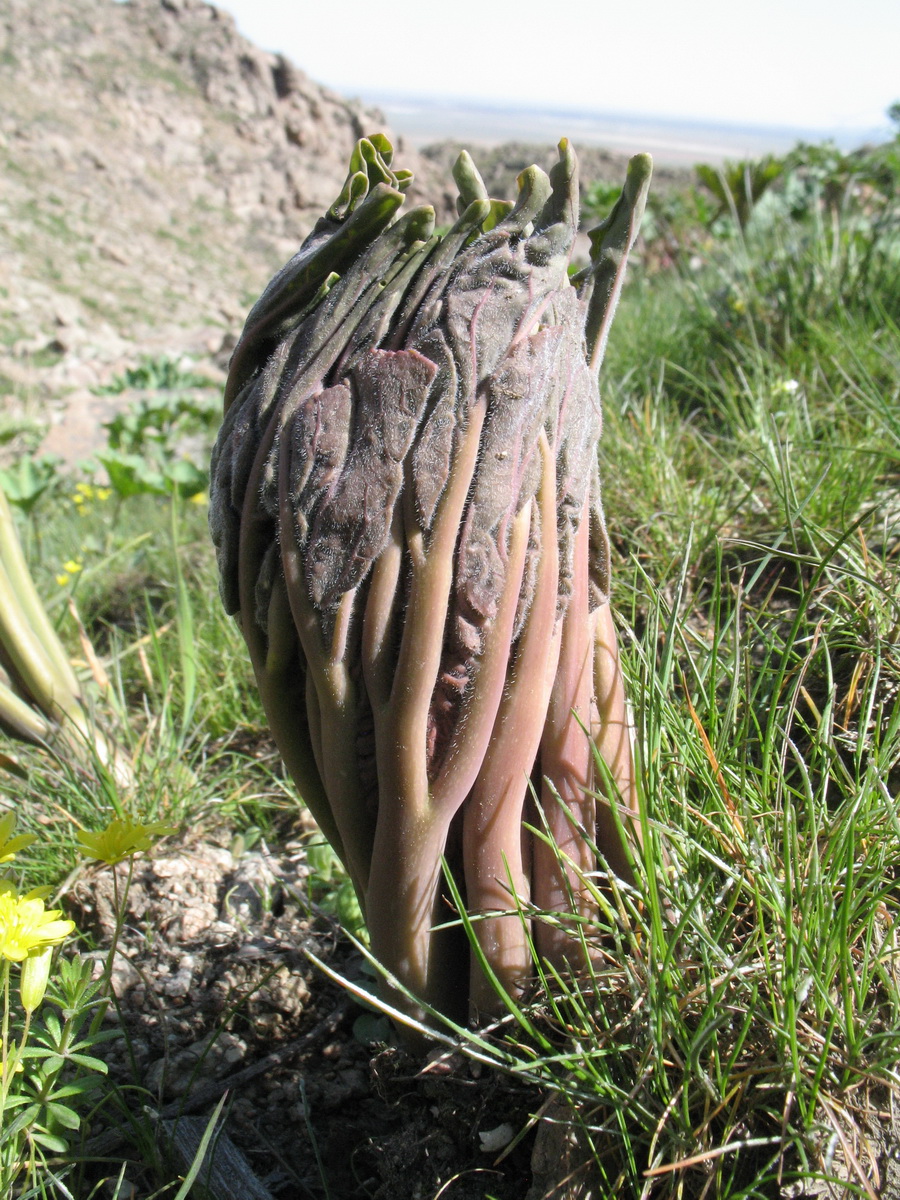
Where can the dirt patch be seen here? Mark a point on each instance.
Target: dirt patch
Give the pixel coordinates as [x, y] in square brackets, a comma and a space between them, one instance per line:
[215, 992]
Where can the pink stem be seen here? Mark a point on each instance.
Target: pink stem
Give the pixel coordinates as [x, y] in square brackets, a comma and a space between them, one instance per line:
[611, 733]
[566, 767]
[492, 825]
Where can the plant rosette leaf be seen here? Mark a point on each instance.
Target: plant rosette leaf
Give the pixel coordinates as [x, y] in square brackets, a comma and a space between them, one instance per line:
[133, 475]
[9, 845]
[29, 478]
[186, 478]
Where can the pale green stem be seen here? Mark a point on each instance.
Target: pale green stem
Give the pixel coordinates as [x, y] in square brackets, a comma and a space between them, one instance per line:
[423, 632]
[19, 576]
[338, 718]
[24, 1039]
[336, 693]
[24, 720]
[277, 678]
[119, 901]
[4, 1063]
[40, 675]
[410, 836]
[472, 735]
[381, 605]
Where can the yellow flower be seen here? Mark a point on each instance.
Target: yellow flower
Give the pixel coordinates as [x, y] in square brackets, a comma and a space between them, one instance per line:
[200, 498]
[103, 493]
[82, 497]
[72, 567]
[121, 838]
[10, 846]
[26, 927]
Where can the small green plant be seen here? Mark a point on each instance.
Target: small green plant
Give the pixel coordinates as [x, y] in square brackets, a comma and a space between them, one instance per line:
[46, 1064]
[150, 442]
[119, 841]
[155, 374]
[329, 886]
[49, 1067]
[29, 431]
[161, 418]
[155, 473]
[738, 186]
[29, 478]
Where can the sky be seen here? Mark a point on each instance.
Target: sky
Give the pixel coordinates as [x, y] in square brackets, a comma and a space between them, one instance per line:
[807, 64]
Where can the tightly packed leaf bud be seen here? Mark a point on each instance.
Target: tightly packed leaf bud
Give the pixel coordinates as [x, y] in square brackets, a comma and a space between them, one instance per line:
[405, 503]
[34, 978]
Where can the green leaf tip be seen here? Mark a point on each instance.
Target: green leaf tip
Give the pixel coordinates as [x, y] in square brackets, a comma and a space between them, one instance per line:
[421, 223]
[640, 170]
[369, 167]
[618, 232]
[611, 242]
[534, 192]
[468, 182]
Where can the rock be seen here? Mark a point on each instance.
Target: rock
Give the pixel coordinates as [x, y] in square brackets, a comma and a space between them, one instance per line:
[177, 895]
[179, 985]
[212, 1057]
[124, 975]
[251, 890]
[562, 1158]
[496, 1139]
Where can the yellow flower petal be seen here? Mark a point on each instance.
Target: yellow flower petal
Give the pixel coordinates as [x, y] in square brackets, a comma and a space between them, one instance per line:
[26, 927]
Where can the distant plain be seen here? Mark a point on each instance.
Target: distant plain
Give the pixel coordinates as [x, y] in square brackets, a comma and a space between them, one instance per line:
[673, 142]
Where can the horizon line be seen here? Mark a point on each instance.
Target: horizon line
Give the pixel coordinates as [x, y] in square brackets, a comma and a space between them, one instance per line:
[535, 109]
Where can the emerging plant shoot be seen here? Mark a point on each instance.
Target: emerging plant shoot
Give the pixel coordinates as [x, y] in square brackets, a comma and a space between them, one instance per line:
[405, 503]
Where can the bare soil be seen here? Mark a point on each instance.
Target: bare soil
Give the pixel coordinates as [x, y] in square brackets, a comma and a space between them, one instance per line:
[215, 993]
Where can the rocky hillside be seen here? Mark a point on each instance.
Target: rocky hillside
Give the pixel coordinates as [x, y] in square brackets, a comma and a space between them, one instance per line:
[155, 168]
